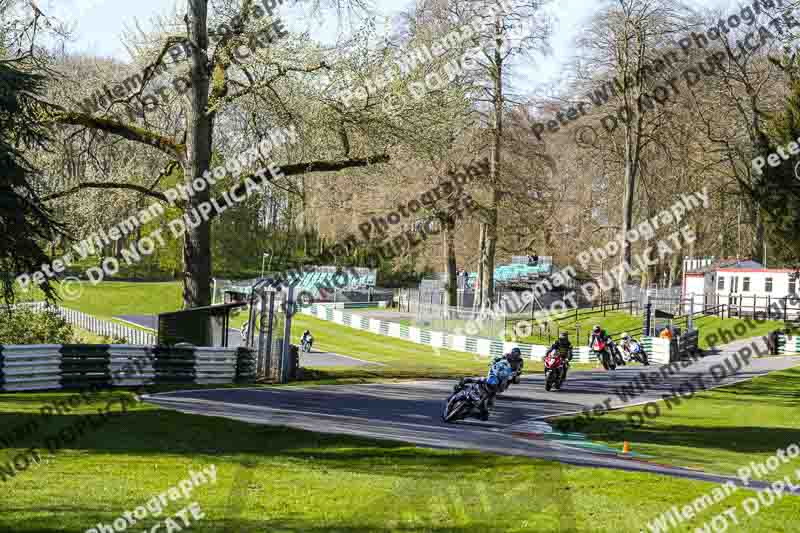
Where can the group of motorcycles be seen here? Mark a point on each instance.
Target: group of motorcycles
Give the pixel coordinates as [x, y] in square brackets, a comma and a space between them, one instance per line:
[610, 355]
[473, 397]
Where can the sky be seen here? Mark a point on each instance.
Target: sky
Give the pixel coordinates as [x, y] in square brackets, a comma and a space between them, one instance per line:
[99, 25]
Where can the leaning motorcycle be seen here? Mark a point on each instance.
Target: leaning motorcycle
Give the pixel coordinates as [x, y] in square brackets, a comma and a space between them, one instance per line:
[554, 370]
[601, 352]
[501, 372]
[464, 402]
[634, 352]
[505, 383]
[616, 354]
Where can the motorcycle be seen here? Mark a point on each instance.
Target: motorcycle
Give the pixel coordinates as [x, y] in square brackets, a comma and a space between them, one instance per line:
[514, 378]
[554, 370]
[464, 402]
[306, 344]
[503, 374]
[601, 352]
[634, 352]
[616, 353]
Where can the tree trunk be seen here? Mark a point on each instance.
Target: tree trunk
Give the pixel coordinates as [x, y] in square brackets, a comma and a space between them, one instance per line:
[488, 251]
[760, 236]
[487, 264]
[675, 269]
[478, 303]
[450, 260]
[197, 240]
[627, 214]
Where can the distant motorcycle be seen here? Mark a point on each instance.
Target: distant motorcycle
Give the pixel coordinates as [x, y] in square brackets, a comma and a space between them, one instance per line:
[306, 344]
[464, 402]
[634, 352]
[554, 370]
[600, 350]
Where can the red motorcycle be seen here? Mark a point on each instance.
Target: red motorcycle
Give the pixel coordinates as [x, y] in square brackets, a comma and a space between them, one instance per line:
[554, 370]
[601, 351]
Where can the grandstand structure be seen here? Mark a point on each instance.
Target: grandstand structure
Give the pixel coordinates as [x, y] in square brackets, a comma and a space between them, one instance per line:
[323, 283]
[522, 274]
[523, 271]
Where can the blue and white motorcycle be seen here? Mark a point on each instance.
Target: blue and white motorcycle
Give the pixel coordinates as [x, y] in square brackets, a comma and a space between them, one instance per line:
[475, 396]
[633, 351]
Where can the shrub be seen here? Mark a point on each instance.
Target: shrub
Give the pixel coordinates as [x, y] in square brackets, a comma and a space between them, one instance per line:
[24, 326]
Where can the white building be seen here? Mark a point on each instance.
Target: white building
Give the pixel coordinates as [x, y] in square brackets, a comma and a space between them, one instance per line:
[746, 285]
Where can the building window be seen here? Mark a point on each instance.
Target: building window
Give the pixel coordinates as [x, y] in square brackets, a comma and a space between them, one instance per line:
[792, 286]
[721, 284]
[745, 284]
[768, 285]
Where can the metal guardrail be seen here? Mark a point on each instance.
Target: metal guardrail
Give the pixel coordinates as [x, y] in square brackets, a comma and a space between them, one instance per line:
[57, 366]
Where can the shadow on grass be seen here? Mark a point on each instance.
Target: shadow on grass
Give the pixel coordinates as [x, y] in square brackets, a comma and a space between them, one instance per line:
[298, 525]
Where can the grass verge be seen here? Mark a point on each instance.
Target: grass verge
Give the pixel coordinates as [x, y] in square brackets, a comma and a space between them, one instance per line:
[718, 430]
[278, 479]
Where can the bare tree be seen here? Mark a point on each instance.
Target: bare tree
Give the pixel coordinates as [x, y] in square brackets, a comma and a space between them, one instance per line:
[625, 40]
[217, 79]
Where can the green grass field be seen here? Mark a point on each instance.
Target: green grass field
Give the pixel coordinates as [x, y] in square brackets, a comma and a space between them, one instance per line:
[718, 430]
[283, 480]
[278, 479]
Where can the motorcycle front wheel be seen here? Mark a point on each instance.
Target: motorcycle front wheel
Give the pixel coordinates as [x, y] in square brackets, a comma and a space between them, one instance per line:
[455, 411]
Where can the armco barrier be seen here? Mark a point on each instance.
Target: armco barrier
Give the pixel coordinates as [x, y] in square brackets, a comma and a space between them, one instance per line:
[32, 367]
[43, 367]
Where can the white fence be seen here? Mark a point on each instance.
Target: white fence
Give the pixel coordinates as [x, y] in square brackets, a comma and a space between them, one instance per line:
[100, 327]
[659, 351]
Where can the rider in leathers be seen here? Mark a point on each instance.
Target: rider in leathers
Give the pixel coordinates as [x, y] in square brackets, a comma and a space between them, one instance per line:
[564, 349]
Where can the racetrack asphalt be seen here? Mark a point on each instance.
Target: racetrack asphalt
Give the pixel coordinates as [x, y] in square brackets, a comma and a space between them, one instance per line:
[411, 411]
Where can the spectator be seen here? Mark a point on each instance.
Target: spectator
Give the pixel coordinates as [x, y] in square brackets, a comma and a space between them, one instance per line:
[666, 333]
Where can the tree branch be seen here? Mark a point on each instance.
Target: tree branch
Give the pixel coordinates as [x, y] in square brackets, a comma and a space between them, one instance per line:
[105, 185]
[132, 133]
[302, 168]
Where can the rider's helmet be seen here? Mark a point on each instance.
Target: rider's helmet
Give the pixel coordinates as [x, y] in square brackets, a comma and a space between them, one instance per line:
[626, 337]
[514, 357]
[596, 329]
[563, 338]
